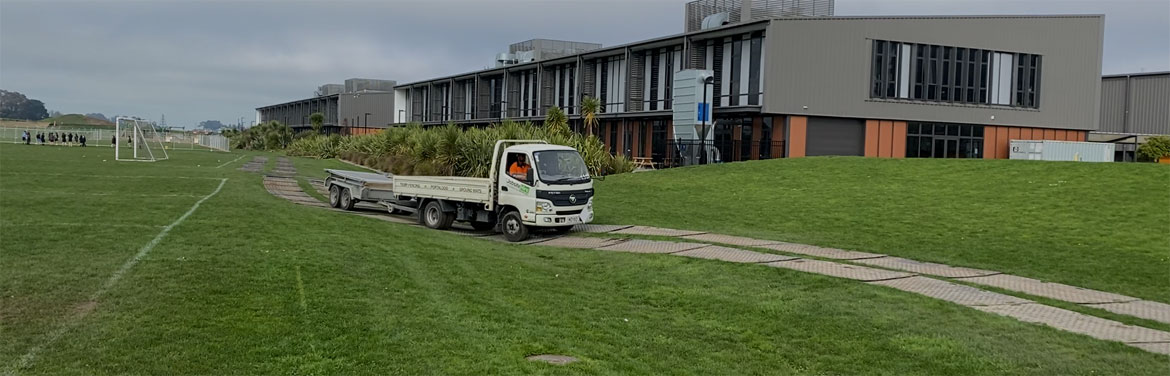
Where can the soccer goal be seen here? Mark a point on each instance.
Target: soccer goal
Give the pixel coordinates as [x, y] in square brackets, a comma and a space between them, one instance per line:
[137, 140]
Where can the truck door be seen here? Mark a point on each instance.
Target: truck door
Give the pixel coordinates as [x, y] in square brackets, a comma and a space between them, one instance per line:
[516, 184]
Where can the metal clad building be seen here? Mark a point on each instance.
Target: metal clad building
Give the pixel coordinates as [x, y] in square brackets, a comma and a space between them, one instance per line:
[833, 81]
[365, 108]
[891, 87]
[1136, 103]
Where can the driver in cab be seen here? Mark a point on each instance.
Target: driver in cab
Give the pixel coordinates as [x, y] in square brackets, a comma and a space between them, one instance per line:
[519, 168]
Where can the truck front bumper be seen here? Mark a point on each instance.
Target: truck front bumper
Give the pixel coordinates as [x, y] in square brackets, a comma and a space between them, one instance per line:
[557, 220]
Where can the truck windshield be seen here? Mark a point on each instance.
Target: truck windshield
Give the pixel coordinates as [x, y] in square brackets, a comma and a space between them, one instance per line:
[561, 167]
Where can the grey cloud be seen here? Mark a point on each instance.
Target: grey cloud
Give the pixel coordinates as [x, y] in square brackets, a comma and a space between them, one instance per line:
[196, 60]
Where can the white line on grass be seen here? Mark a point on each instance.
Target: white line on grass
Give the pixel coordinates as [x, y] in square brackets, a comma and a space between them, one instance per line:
[110, 176]
[67, 224]
[72, 321]
[99, 193]
[225, 164]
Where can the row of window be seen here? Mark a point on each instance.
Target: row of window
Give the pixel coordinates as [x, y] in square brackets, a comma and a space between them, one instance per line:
[939, 140]
[954, 74]
[736, 63]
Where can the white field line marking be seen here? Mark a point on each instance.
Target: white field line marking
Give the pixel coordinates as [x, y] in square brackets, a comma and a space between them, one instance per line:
[79, 224]
[111, 176]
[72, 321]
[225, 164]
[100, 193]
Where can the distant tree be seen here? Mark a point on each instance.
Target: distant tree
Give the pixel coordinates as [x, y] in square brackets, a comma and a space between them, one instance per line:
[54, 113]
[14, 105]
[211, 125]
[318, 120]
[97, 115]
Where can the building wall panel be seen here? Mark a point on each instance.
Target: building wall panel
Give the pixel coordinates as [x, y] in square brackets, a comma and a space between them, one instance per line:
[798, 127]
[1149, 104]
[805, 78]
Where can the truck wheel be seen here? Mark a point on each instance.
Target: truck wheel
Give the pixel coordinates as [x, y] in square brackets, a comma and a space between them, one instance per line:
[346, 200]
[335, 196]
[514, 228]
[483, 226]
[562, 229]
[434, 217]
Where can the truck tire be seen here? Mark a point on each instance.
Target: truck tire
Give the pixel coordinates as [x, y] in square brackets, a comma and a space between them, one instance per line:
[514, 228]
[347, 201]
[335, 196]
[434, 217]
[483, 226]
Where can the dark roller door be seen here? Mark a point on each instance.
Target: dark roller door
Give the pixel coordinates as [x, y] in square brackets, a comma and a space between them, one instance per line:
[835, 136]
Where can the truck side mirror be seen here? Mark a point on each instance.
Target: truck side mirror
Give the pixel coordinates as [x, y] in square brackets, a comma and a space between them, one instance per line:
[528, 177]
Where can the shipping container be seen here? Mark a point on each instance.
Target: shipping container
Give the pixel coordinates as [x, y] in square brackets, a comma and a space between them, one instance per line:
[1047, 150]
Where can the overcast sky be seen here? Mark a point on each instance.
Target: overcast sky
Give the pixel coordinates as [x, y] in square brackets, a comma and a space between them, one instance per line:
[201, 60]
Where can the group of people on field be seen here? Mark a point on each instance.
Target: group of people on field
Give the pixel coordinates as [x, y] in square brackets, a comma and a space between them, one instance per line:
[54, 138]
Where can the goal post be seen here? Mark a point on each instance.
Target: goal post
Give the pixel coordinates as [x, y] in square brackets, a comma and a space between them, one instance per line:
[137, 140]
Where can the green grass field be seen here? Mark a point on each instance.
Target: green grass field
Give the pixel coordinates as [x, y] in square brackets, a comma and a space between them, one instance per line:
[251, 284]
[1102, 226]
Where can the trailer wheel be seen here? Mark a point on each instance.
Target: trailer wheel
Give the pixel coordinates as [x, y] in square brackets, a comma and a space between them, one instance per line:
[335, 196]
[346, 200]
[514, 228]
[434, 217]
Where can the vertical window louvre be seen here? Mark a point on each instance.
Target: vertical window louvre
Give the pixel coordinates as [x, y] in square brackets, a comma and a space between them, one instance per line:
[954, 74]
[905, 55]
[754, 71]
[891, 73]
[879, 53]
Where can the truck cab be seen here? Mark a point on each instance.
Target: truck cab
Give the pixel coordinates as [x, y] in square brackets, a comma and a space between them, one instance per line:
[540, 185]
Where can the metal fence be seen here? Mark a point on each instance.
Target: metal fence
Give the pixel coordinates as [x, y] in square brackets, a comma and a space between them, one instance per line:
[104, 137]
[695, 152]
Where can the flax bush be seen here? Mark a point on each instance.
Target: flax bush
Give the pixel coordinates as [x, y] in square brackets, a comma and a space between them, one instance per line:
[452, 150]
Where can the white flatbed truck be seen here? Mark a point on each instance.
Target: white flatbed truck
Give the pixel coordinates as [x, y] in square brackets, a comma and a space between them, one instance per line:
[555, 194]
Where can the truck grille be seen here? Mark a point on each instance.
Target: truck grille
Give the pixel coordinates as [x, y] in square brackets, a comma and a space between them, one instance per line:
[562, 198]
[568, 212]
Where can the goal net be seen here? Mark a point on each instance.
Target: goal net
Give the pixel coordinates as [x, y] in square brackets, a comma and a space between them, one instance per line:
[137, 140]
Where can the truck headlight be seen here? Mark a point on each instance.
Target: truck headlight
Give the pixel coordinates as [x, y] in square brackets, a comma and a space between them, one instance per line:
[544, 206]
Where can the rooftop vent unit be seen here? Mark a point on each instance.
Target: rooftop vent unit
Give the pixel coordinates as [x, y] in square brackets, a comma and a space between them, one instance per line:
[716, 20]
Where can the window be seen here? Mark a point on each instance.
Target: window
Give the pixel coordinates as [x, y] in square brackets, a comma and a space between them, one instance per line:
[939, 140]
[954, 74]
[518, 171]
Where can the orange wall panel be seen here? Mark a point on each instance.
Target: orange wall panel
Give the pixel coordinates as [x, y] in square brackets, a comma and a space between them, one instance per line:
[621, 138]
[899, 135]
[797, 136]
[871, 138]
[1049, 134]
[885, 138]
[635, 139]
[1014, 134]
[1061, 135]
[1002, 150]
[990, 133]
[1081, 135]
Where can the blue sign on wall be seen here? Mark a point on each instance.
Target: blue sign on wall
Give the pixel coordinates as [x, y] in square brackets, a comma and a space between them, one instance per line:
[702, 111]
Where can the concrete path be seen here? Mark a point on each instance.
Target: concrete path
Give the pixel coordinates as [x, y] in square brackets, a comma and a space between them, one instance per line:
[254, 165]
[876, 269]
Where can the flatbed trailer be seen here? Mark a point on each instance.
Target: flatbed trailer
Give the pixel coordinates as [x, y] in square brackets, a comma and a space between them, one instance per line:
[514, 202]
